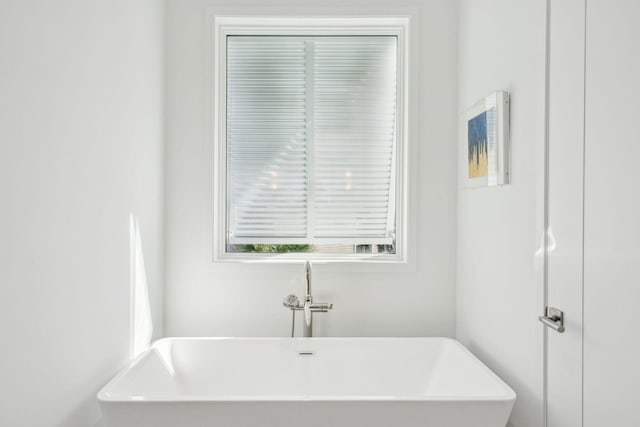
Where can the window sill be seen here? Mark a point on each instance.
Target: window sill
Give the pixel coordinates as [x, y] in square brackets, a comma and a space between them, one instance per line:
[360, 263]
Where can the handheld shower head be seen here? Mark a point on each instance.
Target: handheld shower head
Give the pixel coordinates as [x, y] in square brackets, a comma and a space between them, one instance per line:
[291, 301]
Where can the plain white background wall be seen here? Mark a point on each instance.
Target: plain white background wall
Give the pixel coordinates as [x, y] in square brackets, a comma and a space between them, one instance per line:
[499, 275]
[81, 106]
[203, 298]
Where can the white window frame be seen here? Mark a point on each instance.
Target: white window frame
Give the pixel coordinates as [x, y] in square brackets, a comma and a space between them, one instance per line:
[241, 25]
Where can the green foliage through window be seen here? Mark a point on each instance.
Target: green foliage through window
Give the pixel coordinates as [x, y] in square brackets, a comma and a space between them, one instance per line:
[266, 248]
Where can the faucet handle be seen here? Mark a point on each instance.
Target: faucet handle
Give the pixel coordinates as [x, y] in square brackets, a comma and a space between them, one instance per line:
[322, 307]
[291, 301]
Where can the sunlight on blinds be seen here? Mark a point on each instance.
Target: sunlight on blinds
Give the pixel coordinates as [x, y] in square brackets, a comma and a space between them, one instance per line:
[311, 137]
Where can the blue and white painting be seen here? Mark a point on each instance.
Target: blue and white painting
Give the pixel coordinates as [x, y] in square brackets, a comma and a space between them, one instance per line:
[478, 145]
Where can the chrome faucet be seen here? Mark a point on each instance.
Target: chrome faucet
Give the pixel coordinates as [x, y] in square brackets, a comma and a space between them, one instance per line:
[292, 302]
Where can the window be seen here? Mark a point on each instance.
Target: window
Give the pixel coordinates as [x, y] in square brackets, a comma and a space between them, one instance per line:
[310, 141]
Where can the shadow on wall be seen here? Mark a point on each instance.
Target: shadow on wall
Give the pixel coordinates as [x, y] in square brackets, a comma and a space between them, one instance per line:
[141, 321]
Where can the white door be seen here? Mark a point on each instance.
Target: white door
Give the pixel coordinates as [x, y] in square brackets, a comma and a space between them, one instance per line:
[593, 257]
[612, 215]
[563, 385]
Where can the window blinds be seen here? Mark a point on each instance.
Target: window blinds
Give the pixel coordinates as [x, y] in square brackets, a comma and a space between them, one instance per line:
[311, 139]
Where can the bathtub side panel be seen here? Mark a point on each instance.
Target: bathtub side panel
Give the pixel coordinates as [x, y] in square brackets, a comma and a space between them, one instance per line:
[307, 414]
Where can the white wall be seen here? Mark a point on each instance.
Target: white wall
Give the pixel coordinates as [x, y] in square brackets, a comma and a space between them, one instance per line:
[203, 298]
[81, 88]
[499, 278]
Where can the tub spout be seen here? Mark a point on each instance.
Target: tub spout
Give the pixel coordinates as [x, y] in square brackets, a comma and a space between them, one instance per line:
[308, 302]
[307, 269]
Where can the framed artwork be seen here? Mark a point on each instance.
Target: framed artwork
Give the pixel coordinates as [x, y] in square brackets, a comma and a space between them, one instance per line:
[484, 147]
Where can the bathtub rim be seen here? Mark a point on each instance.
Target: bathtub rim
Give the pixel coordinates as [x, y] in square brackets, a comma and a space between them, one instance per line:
[104, 396]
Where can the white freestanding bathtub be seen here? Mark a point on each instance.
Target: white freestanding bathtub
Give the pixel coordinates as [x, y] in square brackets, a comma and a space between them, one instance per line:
[306, 382]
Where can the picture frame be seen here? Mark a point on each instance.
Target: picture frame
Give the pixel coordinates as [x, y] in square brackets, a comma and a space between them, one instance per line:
[484, 142]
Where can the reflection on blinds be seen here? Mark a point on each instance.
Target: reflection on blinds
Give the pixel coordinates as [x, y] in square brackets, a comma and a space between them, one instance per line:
[311, 139]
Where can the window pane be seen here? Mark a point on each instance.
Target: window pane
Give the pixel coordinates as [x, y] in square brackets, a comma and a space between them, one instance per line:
[354, 136]
[266, 137]
[311, 136]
